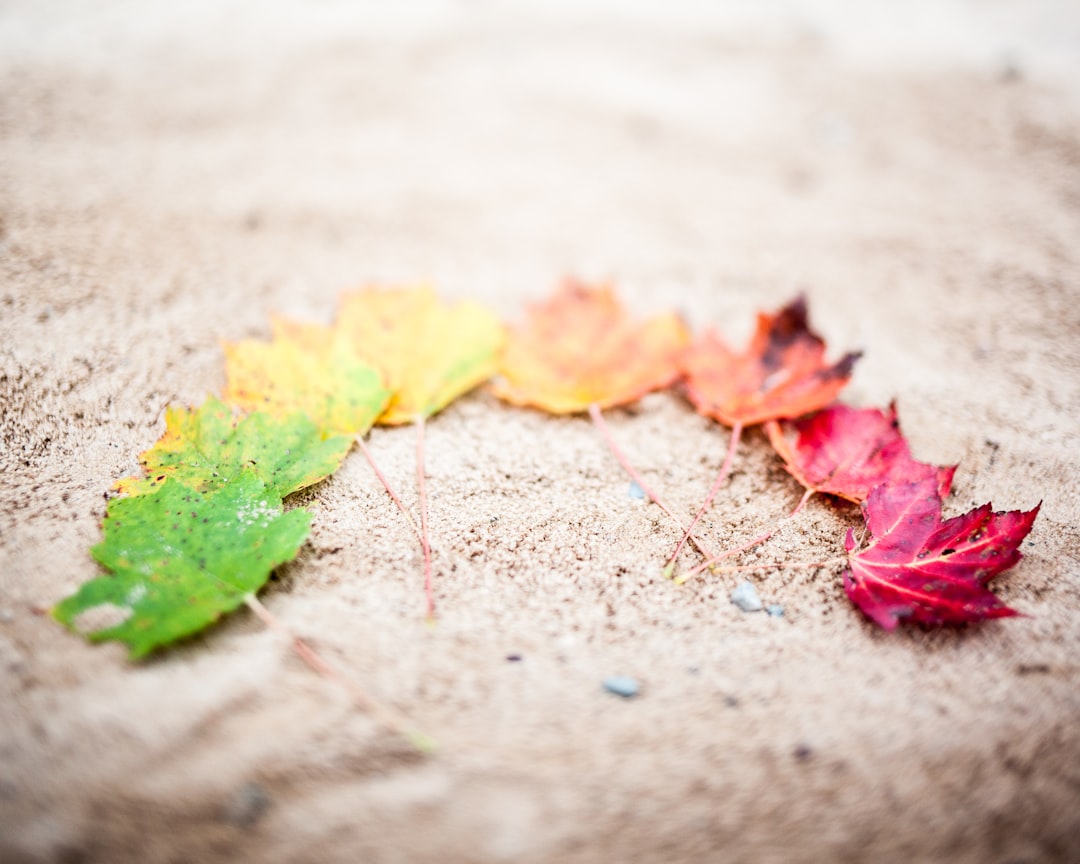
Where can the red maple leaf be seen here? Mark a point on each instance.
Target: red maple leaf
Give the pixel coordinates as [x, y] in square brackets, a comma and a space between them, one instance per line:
[920, 568]
[847, 451]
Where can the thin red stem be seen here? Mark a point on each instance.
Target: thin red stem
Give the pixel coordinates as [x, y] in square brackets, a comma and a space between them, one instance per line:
[386, 485]
[736, 432]
[705, 565]
[807, 495]
[793, 565]
[383, 713]
[750, 544]
[429, 591]
[601, 424]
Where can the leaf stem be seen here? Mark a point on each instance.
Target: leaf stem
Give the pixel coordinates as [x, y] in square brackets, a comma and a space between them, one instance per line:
[807, 495]
[386, 485]
[736, 433]
[605, 431]
[429, 592]
[783, 565]
[706, 565]
[386, 715]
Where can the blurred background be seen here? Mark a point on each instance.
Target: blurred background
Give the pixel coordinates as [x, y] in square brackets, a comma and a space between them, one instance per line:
[480, 141]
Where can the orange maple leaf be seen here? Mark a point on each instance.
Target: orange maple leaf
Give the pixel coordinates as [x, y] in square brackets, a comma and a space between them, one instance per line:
[580, 348]
[781, 374]
[580, 351]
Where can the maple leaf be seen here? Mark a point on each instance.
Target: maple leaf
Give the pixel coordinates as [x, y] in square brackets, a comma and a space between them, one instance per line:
[316, 372]
[580, 351]
[580, 348]
[782, 372]
[847, 451]
[919, 568]
[430, 352]
[206, 448]
[180, 558]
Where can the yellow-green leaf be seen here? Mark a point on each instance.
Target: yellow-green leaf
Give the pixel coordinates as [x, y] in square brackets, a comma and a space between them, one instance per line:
[316, 372]
[209, 447]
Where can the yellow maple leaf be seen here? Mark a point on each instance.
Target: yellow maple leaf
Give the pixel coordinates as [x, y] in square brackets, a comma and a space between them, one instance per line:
[430, 352]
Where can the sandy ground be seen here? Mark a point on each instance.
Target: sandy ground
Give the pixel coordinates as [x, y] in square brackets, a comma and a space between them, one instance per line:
[170, 173]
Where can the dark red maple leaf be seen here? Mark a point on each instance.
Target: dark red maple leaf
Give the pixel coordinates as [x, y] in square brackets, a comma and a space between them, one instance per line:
[922, 569]
[847, 451]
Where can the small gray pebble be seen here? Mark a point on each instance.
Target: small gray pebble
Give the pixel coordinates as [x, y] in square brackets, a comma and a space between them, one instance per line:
[746, 598]
[622, 685]
[6, 616]
[636, 491]
[775, 609]
[248, 805]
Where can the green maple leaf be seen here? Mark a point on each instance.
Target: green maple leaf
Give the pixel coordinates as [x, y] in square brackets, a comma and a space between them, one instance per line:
[180, 558]
[206, 448]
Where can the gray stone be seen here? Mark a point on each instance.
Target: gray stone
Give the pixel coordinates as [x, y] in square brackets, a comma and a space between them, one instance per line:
[622, 685]
[746, 598]
[248, 805]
